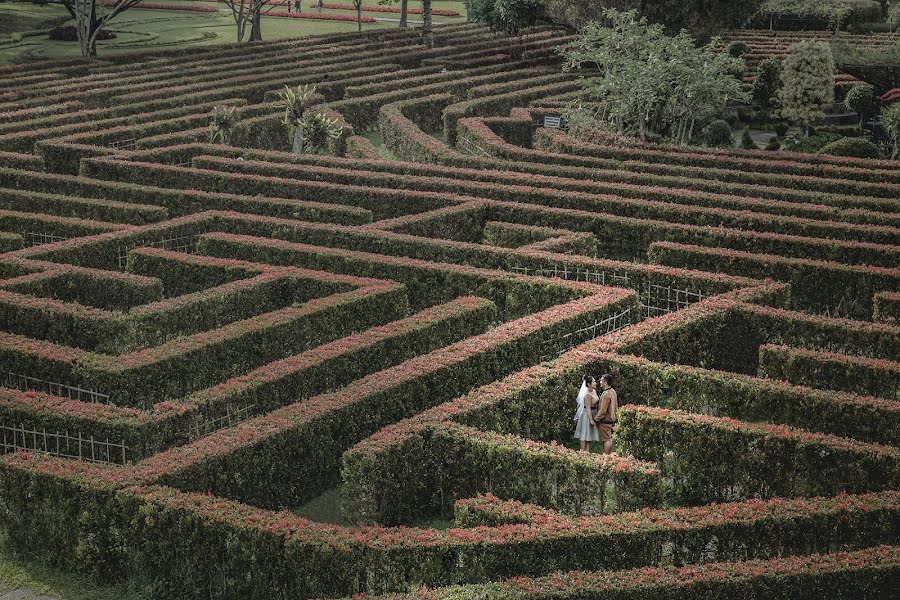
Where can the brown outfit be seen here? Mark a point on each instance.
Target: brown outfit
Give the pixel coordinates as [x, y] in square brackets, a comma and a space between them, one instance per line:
[606, 416]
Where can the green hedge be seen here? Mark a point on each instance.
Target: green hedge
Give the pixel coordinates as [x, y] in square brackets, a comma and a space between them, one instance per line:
[711, 459]
[749, 398]
[10, 241]
[317, 430]
[435, 464]
[869, 573]
[887, 307]
[181, 200]
[829, 370]
[817, 286]
[268, 387]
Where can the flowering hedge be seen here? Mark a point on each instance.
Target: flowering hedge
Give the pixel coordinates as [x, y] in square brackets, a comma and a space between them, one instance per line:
[883, 184]
[867, 573]
[830, 370]
[748, 398]
[321, 16]
[815, 284]
[874, 171]
[81, 208]
[473, 169]
[474, 133]
[714, 459]
[440, 12]
[158, 533]
[495, 101]
[887, 307]
[191, 362]
[420, 470]
[270, 386]
[325, 425]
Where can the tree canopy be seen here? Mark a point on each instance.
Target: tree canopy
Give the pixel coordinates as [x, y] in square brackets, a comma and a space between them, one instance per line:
[646, 83]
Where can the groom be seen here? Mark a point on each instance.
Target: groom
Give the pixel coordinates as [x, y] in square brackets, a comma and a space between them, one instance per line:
[606, 416]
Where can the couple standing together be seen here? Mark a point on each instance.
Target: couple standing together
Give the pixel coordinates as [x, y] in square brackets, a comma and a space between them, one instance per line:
[596, 415]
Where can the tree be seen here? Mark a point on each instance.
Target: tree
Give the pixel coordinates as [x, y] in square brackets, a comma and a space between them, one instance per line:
[767, 83]
[88, 24]
[890, 121]
[702, 18]
[357, 4]
[404, 10]
[249, 13]
[222, 122]
[307, 129]
[507, 16]
[861, 100]
[650, 83]
[807, 82]
[427, 26]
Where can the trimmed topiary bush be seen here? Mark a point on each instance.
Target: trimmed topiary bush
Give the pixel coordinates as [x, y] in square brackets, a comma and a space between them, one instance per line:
[849, 146]
[68, 33]
[717, 134]
[738, 48]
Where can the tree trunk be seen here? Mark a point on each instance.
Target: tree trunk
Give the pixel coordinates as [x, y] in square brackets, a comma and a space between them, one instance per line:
[298, 140]
[359, 16]
[256, 27]
[404, 12]
[86, 24]
[427, 30]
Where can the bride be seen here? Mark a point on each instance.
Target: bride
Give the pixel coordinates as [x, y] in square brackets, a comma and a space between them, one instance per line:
[586, 429]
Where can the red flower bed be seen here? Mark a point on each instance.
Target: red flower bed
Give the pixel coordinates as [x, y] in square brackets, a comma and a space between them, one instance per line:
[320, 16]
[441, 12]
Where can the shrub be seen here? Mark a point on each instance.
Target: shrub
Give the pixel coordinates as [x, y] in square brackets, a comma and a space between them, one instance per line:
[717, 135]
[767, 83]
[861, 100]
[68, 33]
[812, 143]
[747, 142]
[807, 79]
[737, 48]
[774, 144]
[851, 147]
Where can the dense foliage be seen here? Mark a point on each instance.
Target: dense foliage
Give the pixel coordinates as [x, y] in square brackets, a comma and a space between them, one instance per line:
[651, 84]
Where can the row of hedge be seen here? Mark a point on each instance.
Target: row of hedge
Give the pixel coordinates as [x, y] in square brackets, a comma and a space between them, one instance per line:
[294, 453]
[494, 101]
[487, 171]
[633, 159]
[475, 133]
[830, 370]
[193, 362]
[413, 471]
[90, 209]
[715, 459]
[180, 200]
[887, 307]
[178, 545]
[868, 573]
[873, 171]
[270, 386]
[773, 233]
[816, 285]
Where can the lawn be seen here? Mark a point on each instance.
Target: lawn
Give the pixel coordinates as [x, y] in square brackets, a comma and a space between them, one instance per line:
[39, 579]
[145, 29]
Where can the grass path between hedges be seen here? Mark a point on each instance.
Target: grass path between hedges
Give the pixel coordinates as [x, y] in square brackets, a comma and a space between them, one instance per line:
[142, 29]
[42, 581]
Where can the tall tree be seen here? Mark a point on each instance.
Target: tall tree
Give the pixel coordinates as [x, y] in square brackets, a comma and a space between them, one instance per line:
[647, 83]
[249, 13]
[404, 12]
[807, 82]
[88, 24]
[427, 26]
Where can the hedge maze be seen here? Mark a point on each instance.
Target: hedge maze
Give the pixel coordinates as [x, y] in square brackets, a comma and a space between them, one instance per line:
[196, 339]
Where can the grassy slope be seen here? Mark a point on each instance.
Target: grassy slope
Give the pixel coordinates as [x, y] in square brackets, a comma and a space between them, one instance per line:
[139, 29]
[40, 579]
